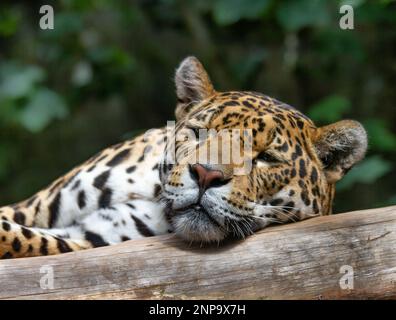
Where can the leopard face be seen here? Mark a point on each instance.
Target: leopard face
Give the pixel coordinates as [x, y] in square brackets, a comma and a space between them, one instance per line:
[292, 171]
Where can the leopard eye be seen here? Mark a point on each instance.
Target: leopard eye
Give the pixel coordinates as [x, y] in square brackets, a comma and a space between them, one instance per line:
[267, 157]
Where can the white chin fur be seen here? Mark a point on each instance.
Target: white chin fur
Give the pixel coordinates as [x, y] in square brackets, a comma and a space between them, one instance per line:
[196, 226]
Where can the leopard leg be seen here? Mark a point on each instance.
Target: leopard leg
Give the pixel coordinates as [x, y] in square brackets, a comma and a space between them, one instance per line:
[104, 227]
[18, 241]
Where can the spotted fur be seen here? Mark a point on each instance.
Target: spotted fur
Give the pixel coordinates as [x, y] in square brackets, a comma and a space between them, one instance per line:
[130, 190]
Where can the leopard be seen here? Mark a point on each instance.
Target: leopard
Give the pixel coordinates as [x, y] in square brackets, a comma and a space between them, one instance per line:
[152, 185]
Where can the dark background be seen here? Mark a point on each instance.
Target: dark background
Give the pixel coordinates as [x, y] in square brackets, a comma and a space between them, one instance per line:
[105, 74]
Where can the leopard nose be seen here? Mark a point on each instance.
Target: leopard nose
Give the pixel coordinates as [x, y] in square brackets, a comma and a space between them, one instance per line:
[206, 177]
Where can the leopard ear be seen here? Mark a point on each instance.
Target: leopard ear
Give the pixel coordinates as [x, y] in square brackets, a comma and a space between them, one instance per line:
[340, 146]
[192, 85]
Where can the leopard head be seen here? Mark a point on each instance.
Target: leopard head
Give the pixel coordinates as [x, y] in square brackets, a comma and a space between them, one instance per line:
[293, 165]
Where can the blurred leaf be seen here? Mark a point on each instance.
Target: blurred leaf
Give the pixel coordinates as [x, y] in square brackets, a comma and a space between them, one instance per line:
[376, 11]
[8, 112]
[82, 73]
[380, 137]
[246, 67]
[111, 55]
[9, 21]
[368, 171]
[335, 42]
[353, 3]
[17, 81]
[330, 109]
[44, 106]
[227, 12]
[65, 23]
[294, 15]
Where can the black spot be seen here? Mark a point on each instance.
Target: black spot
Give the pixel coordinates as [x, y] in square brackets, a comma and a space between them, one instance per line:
[279, 122]
[118, 158]
[168, 167]
[105, 198]
[283, 148]
[71, 179]
[27, 233]
[125, 238]
[293, 173]
[315, 206]
[91, 168]
[55, 186]
[289, 206]
[230, 103]
[276, 202]
[44, 246]
[297, 153]
[101, 180]
[118, 146]
[81, 199]
[62, 245]
[6, 255]
[247, 104]
[96, 156]
[155, 167]
[305, 198]
[298, 150]
[37, 208]
[76, 185]
[300, 124]
[6, 226]
[302, 171]
[106, 217]
[130, 205]
[157, 190]
[19, 217]
[54, 210]
[131, 169]
[315, 191]
[314, 175]
[16, 245]
[142, 227]
[30, 201]
[95, 239]
[291, 193]
[141, 158]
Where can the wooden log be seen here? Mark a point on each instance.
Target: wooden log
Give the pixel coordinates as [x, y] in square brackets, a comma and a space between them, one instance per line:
[295, 261]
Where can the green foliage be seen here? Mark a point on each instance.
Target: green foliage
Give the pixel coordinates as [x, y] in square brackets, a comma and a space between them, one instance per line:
[368, 171]
[43, 106]
[295, 15]
[329, 109]
[18, 81]
[9, 21]
[227, 12]
[380, 136]
[25, 101]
